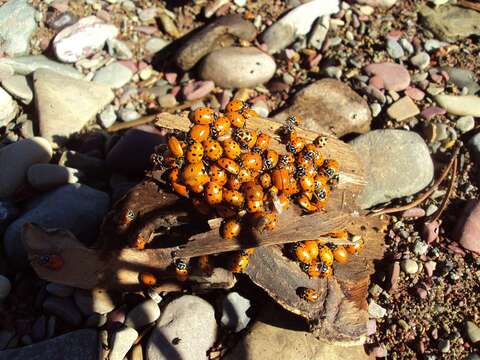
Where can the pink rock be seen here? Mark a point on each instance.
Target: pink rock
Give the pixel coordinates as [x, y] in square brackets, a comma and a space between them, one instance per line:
[377, 82]
[315, 60]
[395, 76]
[394, 35]
[414, 212]
[225, 98]
[430, 267]
[422, 293]
[290, 53]
[105, 16]
[434, 334]
[371, 327]
[129, 64]
[445, 75]
[171, 77]
[432, 111]
[198, 90]
[456, 249]
[60, 5]
[394, 277]
[437, 78]
[175, 90]
[430, 231]
[142, 65]
[379, 351]
[363, 18]
[258, 98]
[149, 30]
[468, 228]
[116, 316]
[414, 93]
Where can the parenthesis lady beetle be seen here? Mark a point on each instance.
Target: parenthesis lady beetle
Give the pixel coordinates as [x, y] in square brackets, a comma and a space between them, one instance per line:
[181, 269]
[51, 261]
[203, 116]
[221, 126]
[356, 247]
[213, 193]
[175, 146]
[231, 149]
[147, 279]
[194, 153]
[235, 106]
[308, 294]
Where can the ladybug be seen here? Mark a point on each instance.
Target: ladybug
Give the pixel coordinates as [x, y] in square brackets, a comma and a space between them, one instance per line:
[326, 255]
[229, 165]
[312, 270]
[212, 149]
[281, 178]
[239, 262]
[322, 196]
[249, 113]
[254, 206]
[271, 159]
[195, 174]
[252, 191]
[225, 211]
[199, 132]
[248, 251]
[181, 269]
[180, 189]
[170, 161]
[265, 180]
[194, 153]
[236, 119]
[283, 201]
[294, 120]
[147, 279]
[263, 141]
[231, 149]
[230, 229]
[306, 204]
[173, 175]
[175, 146]
[244, 175]
[326, 271]
[51, 261]
[128, 217]
[303, 160]
[201, 206]
[218, 175]
[339, 234]
[203, 116]
[356, 247]
[205, 265]
[233, 197]
[266, 221]
[340, 254]
[221, 126]
[213, 193]
[321, 181]
[312, 248]
[199, 188]
[308, 294]
[233, 183]
[331, 168]
[235, 106]
[314, 151]
[246, 138]
[139, 242]
[302, 253]
[321, 141]
[296, 145]
[307, 183]
[252, 160]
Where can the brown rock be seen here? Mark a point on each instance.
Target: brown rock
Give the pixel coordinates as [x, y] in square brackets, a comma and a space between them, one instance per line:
[468, 228]
[216, 35]
[329, 106]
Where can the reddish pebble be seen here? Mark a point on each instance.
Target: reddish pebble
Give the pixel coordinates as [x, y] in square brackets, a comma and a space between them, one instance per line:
[175, 90]
[315, 60]
[199, 90]
[414, 212]
[414, 93]
[130, 64]
[394, 35]
[116, 316]
[422, 293]
[379, 352]
[395, 77]
[60, 5]
[432, 111]
[456, 249]
[371, 327]
[430, 231]
[105, 16]
[430, 267]
[377, 82]
[171, 78]
[394, 277]
[436, 78]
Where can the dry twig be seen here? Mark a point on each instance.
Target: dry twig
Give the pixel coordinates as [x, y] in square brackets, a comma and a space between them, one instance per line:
[447, 196]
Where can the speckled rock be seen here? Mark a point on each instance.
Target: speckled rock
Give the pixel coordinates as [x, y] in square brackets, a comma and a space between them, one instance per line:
[17, 24]
[238, 67]
[329, 105]
[398, 164]
[395, 77]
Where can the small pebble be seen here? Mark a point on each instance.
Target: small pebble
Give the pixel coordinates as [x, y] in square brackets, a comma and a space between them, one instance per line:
[5, 287]
[167, 101]
[421, 60]
[375, 310]
[108, 116]
[128, 114]
[431, 209]
[407, 46]
[472, 331]
[261, 107]
[465, 124]
[443, 345]
[420, 248]
[394, 49]
[409, 266]
[376, 109]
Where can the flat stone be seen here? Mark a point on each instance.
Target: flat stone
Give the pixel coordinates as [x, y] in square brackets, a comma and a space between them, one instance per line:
[64, 308]
[122, 342]
[234, 312]
[319, 32]
[403, 109]
[5, 287]
[395, 77]
[19, 87]
[463, 78]
[296, 22]
[468, 226]
[119, 49]
[143, 314]
[465, 124]
[472, 331]
[451, 23]
[5, 71]
[26, 65]
[114, 75]
[276, 335]
[376, 311]
[154, 45]
[59, 290]
[394, 49]
[126, 114]
[238, 67]
[329, 106]
[8, 108]
[55, 210]
[421, 60]
[378, 3]
[189, 319]
[49, 176]
[167, 101]
[22, 154]
[75, 345]
[94, 301]
[108, 116]
[459, 105]
[409, 266]
[65, 105]
[17, 24]
[62, 20]
[88, 165]
[398, 164]
[82, 39]
[217, 34]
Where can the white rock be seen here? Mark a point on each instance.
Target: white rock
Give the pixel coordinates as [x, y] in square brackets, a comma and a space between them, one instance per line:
[48, 176]
[108, 116]
[82, 39]
[155, 44]
[17, 24]
[19, 87]
[234, 310]
[15, 159]
[8, 108]
[93, 301]
[5, 287]
[114, 75]
[376, 311]
[459, 105]
[122, 342]
[143, 314]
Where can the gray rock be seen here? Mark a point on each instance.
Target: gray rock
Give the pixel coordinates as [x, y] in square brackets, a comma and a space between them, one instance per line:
[15, 159]
[465, 123]
[238, 67]
[319, 32]
[167, 101]
[114, 75]
[409, 266]
[96, 320]
[6, 337]
[143, 314]
[8, 108]
[472, 331]
[421, 60]
[28, 64]
[154, 45]
[459, 105]
[49, 176]
[189, 319]
[407, 46]
[119, 49]
[219, 33]
[19, 87]
[5, 71]
[376, 311]
[463, 78]
[334, 72]
[295, 23]
[17, 24]
[65, 105]
[5, 287]
[94, 301]
[88, 165]
[420, 248]
[63, 20]
[59, 290]
[64, 308]
[122, 342]
[398, 164]
[108, 116]
[443, 345]
[451, 23]
[343, 110]
[433, 44]
[234, 312]
[55, 210]
[126, 114]
[394, 49]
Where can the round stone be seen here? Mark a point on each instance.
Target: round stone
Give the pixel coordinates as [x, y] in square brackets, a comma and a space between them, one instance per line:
[409, 266]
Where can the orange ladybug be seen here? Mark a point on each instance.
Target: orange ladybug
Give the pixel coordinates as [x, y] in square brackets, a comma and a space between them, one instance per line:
[294, 120]
[308, 294]
[253, 191]
[244, 175]
[248, 251]
[138, 242]
[51, 261]
[218, 175]
[356, 247]
[266, 221]
[321, 141]
[265, 180]
[239, 262]
[246, 138]
[147, 279]
[235, 106]
[229, 165]
[326, 271]
[233, 183]
[296, 145]
[252, 160]
[254, 206]
[312, 248]
[199, 188]
[263, 141]
[249, 113]
[271, 159]
[194, 153]
[220, 127]
[281, 178]
[233, 197]
[306, 204]
[203, 116]
[199, 132]
[181, 269]
[236, 119]
[128, 217]
[231, 149]
[339, 234]
[331, 168]
[213, 193]
[175, 146]
[180, 189]
[312, 270]
[307, 183]
[302, 253]
[173, 175]
[326, 255]
[195, 174]
[231, 229]
[212, 149]
[340, 254]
